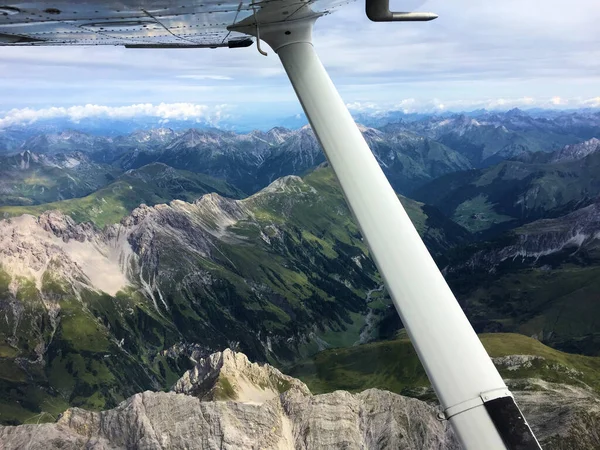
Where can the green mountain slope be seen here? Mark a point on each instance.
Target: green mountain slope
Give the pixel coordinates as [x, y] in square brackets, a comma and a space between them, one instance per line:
[540, 279]
[151, 184]
[394, 366]
[92, 316]
[28, 179]
[514, 192]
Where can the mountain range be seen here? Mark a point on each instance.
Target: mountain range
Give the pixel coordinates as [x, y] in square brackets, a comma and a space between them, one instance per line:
[247, 161]
[279, 274]
[127, 258]
[411, 152]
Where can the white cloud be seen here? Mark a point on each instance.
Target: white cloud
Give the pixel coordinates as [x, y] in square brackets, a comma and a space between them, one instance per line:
[205, 77]
[592, 102]
[369, 107]
[162, 111]
[412, 105]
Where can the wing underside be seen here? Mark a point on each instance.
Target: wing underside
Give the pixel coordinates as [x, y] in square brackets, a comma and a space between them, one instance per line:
[140, 23]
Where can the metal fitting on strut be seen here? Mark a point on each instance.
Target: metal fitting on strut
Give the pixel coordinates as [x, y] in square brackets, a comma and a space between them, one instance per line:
[379, 11]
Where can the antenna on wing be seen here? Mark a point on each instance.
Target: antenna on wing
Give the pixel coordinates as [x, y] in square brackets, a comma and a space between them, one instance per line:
[260, 50]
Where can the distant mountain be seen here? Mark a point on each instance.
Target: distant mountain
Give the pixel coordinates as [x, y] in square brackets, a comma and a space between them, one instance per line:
[490, 138]
[412, 151]
[11, 140]
[576, 151]
[28, 178]
[117, 197]
[251, 161]
[232, 157]
[67, 141]
[105, 126]
[407, 160]
[515, 192]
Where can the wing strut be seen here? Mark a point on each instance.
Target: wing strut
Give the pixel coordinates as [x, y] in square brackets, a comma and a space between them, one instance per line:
[474, 397]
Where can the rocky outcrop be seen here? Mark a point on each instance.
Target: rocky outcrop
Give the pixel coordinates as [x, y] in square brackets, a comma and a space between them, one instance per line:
[292, 419]
[265, 409]
[561, 416]
[230, 375]
[64, 227]
[577, 151]
[76, 253]
[572, 232]
[373, 419]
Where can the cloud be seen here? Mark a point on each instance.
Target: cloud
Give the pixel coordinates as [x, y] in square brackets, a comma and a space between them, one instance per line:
[412, 105]
[506, 49]
[162, 111]
[205, 77]
[215, 114]
[592, 102]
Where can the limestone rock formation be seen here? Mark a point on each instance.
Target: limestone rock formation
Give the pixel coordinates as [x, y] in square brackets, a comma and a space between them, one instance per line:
[229, 375]
[260, 418]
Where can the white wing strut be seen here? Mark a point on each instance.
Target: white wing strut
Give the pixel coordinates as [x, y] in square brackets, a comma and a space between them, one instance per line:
[469, 387]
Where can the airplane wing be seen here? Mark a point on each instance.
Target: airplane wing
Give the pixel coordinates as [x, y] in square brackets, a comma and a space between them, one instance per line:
[142, 23]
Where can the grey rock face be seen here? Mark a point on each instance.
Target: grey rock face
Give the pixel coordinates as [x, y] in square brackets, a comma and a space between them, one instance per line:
[577, 151]
[561, 416]
[230, 375]
[261, 418]
[373, 419]
[516, 362]
[64, 226]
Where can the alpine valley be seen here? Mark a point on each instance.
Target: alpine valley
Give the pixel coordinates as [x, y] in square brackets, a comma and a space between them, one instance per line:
[128, 259]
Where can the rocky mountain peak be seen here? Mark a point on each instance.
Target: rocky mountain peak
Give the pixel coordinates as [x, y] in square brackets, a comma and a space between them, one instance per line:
[371, 134]
[283, 182]
[516, 112]
[229, 375]
[287, 184]
[64, 226]
[278, 135]
[577, 151]
[268, 410]
[190, 138]
[221, 210]
[155, 134]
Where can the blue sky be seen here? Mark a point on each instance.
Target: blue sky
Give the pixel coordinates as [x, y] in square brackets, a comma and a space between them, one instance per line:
[493, 54]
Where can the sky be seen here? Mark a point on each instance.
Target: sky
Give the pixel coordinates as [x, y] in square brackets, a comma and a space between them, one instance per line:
[489, 54]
